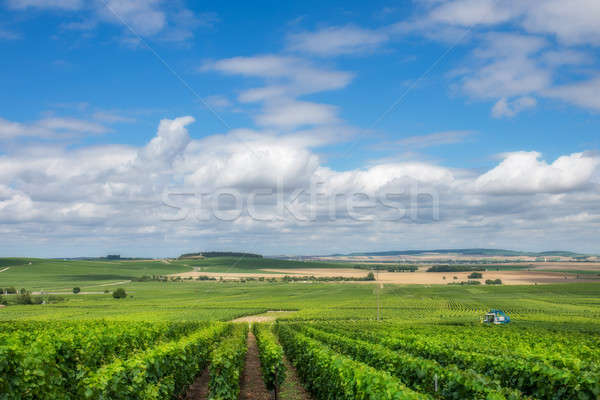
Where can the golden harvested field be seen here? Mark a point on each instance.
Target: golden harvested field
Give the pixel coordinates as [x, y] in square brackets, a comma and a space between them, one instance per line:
[538, 275]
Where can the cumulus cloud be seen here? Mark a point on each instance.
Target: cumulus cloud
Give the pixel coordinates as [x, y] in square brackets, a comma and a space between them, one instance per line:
[338, 40]
[153, 194]
[525, 172]
[170, 141]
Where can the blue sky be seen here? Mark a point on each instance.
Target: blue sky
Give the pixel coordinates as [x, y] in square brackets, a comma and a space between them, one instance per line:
[491, 104]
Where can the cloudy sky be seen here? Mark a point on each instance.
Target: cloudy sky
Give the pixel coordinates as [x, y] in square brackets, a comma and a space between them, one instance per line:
[151, 128]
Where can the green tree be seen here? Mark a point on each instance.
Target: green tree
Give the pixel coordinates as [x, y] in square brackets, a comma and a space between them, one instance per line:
[76, 289]
[119, 293]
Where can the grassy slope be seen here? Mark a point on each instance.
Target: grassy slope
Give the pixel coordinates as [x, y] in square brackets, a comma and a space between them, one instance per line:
[59, 274]
[240, 264]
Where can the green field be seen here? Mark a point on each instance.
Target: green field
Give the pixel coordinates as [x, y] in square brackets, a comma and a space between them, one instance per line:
[552, 342]
[56, 275]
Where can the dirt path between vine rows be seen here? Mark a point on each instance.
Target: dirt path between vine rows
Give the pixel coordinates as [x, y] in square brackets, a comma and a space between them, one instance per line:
[252, 386]
[269, 316]
[199, 389]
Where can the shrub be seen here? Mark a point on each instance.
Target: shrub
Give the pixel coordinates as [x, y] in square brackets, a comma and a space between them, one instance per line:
[11, 290]
[493, 282]
[24, 297]
[76, 289]
[475, 275]
[455, 268]
[119, 293]
[370, 276]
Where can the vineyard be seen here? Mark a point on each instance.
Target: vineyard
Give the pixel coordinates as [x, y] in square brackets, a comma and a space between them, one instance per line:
[334, 359]
[166, 338]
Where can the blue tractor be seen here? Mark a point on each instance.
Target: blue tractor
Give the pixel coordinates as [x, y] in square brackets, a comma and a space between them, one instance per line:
[496, 317]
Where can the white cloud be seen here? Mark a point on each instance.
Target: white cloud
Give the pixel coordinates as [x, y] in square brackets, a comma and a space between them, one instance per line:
[508, 67]
[435, 139]
[289, 76]
[536, 47]
[9, 35]
[218, 101]
[584, 93]
[111, 117]
[144, 16]
[120, 190]
[46, 4]
[286, 79]
[472, 12]
[572, 22]
[166, 21]
[170, 141]
[297, 113]
[506, 108]
[334, 41]
[49, 127]
[524, 172]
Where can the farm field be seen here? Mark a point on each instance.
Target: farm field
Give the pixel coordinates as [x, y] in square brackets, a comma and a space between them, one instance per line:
[317, 340]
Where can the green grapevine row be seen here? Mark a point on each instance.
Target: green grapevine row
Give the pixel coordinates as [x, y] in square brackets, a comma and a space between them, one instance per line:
[50, 363]
[532, 378]
[419, 373]
[329, 375]
[271, 356]
[162, 372]
[227, 364]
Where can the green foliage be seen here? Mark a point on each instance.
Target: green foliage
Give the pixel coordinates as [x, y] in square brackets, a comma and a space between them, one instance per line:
[161, 372]
[455, 268]
[418, 373]
[475, 275]
[310, 278]
[214, 254]
[50, 359]
[24, 298]
[76, 289]
[493, 282]
[469, 282]
[227, 364]
[271, 356]
[328, 375]
[119, 293]
[534, 377]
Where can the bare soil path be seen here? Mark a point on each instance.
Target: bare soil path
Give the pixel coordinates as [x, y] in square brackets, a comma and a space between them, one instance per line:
[2, 270]
[252, 386]
[269, 316]
[199, 389]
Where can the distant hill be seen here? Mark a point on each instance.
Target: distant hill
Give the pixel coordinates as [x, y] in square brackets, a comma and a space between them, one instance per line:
[214, 254]
[471, 252]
